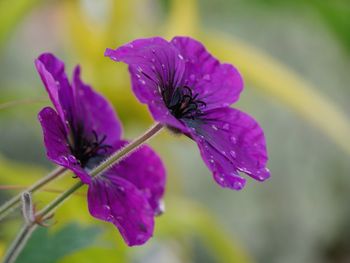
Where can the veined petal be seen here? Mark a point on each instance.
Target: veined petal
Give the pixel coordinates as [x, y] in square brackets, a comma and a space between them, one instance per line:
[156, 69]
[145, 170]
[94, 112]
[231, 141]
[56, 144]
[216, 84]
[51, 71]
[116, 200]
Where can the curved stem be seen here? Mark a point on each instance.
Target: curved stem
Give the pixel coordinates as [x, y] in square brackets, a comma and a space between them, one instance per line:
[41, 216]
[14, 202]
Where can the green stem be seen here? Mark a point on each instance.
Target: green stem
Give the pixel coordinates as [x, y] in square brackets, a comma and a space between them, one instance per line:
[19, 242]
[14, 202]
[22, 237]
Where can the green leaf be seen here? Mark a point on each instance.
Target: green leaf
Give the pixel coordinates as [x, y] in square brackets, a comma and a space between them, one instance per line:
[45, 247]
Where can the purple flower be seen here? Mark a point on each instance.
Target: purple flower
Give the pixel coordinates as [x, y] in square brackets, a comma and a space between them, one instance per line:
[84, 130]
[190, 91]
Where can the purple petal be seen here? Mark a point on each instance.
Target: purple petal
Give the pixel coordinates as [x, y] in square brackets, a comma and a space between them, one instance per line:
[231, 141]
[95, 112]
[51, 71]
[154, 64]
[120, 202]
[217, 84]
[55, 139]
[146, 171]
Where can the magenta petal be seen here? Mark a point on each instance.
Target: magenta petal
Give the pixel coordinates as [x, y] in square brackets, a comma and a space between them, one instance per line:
[154, 65]
[55, 139]
[231, 141]
[51, 71]
[146, 171]
[217, 84]
[118, 201]
[95, 112]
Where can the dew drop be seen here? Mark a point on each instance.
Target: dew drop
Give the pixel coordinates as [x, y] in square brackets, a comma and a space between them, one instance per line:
[212, 161]
[161, 207]
[207, 77]
[121, 189]
[110, 218]
[72, 159]
[163, 66]
[226, 126]
[107, 208]
[142, 81]
[63, 159]
[233, 154]
[233, 139]
[214, 127]
[180, 56]
[237, 185]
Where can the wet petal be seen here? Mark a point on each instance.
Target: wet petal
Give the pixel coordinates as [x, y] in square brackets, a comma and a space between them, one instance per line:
[95, 112]
[146, 171]
[216, 84]
[118, 201]
[231, 141]
[51, 71]
[55, 139]
[156, 68]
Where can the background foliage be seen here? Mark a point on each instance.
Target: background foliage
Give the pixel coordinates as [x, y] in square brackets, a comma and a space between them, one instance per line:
[294, 57]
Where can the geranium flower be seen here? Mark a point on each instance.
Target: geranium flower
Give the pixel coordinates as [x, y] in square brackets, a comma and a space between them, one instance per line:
[79, 133]
[190, 91]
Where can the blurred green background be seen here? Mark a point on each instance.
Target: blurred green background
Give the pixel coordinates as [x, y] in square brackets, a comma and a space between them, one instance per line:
[294, 57]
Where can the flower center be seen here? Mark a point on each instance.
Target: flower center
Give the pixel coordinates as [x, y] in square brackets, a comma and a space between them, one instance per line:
[91, 150]
[184, 104]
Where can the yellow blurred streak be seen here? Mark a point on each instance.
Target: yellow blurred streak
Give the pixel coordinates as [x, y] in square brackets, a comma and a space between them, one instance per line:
[2, 249]
[186, 217]
[277, 81]
[183, 18]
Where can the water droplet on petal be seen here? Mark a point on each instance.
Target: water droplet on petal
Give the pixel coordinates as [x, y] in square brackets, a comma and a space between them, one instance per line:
[63, 160]
[206, 77]
[237, 185]
[72, 159]
[110, 218]
[180, 57]
[142, 81]
[233, 139]
[233, 154]
[107, 208]
[226, 126]
[214, 127]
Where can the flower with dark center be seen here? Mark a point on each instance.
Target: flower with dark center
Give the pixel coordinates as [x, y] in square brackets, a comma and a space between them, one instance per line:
[83, 130]
[190, 91]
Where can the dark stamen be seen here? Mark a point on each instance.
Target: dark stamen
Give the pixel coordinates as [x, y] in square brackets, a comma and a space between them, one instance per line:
[183, 103]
